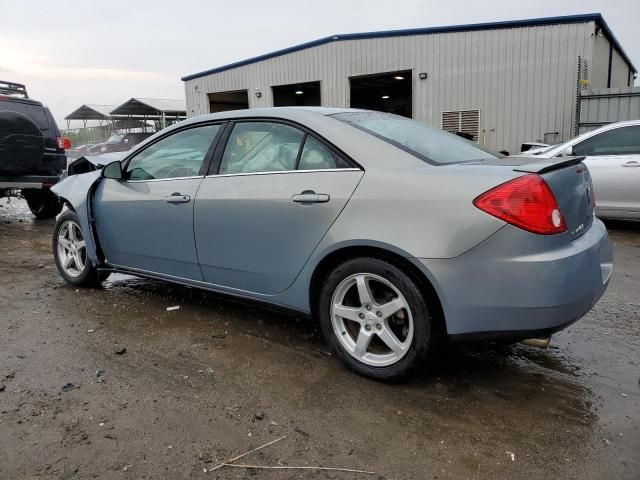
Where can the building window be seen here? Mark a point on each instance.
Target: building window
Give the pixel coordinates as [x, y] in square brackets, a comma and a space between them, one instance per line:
[465, 123]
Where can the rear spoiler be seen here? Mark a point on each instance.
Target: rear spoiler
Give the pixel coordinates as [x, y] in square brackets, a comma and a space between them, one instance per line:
[542, 166]
[533, 164]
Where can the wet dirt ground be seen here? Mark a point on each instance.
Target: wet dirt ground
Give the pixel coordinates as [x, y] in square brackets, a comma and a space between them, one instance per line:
[217, 377]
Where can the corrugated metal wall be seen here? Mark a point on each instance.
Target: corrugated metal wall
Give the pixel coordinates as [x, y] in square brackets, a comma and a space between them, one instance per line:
[602, 106]
[619, 71]
[523, 80]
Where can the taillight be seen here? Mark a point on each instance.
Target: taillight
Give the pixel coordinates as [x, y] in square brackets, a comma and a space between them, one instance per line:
[63, 143]
[526, 202]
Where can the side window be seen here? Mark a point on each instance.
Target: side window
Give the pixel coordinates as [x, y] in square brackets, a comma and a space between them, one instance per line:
[178, 155]
[621, 141]
[261, 147]
[316, 156]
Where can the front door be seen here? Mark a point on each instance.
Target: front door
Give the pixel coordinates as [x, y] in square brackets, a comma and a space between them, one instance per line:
[145, 221]
[613, 158]
[277, 192]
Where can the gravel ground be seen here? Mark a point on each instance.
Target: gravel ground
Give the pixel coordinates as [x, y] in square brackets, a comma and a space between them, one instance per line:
[217, 377]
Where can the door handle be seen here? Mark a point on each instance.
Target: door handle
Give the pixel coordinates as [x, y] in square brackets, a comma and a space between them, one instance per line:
[309, 196]
[631, 164]
[177, 198]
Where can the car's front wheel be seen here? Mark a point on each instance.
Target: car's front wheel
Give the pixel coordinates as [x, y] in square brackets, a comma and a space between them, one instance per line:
[70, 252]
[376, 319]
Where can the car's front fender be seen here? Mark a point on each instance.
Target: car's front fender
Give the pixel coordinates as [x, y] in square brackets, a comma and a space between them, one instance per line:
[76, 191]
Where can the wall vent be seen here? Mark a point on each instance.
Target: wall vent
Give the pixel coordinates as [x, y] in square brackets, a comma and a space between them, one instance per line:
[465, 121]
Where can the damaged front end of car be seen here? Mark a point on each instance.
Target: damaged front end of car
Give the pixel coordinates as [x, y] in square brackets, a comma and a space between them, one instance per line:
[76, 191]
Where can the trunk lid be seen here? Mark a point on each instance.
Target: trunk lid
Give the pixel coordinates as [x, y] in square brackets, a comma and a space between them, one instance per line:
[573, 189]
[569, 180]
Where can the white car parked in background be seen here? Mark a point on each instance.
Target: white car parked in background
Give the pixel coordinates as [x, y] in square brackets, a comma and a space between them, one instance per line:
[613, 156]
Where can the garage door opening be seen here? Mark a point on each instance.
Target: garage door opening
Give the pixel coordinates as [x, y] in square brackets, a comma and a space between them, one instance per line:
[225, 101]
[297, 95]
[385, 92]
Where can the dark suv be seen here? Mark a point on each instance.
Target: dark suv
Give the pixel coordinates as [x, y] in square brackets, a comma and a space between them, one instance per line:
[32, 151]
[121, 142]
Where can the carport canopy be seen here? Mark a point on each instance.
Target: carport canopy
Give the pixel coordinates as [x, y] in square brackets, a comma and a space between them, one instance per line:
[151, 107]
[91, 112]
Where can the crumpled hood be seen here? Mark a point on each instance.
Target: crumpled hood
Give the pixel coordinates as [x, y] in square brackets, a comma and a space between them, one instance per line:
[89, 163]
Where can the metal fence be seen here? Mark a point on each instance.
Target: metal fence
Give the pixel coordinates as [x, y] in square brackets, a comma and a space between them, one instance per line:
[607, 105]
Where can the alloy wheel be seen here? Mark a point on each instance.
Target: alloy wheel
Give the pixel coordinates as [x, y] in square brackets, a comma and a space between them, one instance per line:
[72, 252]
[371, 319]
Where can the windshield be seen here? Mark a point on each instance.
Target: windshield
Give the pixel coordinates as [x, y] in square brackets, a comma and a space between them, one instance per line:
[115, 138]
[427, 143]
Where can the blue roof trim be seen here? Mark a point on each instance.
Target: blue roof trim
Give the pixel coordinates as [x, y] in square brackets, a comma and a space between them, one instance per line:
[533, 22]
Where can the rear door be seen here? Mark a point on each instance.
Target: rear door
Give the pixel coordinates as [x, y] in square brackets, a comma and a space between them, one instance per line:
[275, 192]
[145, 222]
[613, 158]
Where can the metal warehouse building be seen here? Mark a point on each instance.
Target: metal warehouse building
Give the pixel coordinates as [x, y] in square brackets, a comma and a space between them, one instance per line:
[501, 83]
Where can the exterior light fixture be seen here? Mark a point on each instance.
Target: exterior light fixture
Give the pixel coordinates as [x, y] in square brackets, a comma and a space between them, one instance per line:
[299, 92]
[399, 77]
[258, 94]
[422, 76]
[385, 97]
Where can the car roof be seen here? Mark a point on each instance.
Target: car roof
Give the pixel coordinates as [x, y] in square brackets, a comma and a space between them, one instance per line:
[353, 142]
[302, 115]
[287, 113]
[609, 126]
[619, 124]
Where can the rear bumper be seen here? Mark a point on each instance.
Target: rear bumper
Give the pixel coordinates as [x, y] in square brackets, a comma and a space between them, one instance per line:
[496, 290]
[28, 182]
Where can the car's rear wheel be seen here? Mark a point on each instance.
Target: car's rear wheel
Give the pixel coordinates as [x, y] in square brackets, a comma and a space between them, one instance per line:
[43, 204]
[70, 252]
[376, 319]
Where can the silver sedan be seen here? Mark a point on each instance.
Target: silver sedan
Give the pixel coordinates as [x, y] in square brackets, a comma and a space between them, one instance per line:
[394, 235]
[612, 154]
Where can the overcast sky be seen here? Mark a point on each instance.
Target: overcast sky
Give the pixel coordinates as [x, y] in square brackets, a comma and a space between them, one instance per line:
[104, 52]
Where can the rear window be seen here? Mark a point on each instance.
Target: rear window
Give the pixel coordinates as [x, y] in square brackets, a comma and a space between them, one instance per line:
[35, 113]
[427, 143]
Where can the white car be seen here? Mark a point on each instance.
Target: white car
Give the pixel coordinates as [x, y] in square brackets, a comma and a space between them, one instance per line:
[613, 157]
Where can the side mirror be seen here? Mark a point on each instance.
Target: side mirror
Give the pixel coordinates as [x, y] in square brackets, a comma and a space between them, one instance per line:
[112, 170]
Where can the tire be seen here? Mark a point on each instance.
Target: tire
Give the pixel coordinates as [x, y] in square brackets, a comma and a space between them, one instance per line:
[77, 270]
[43, 204]
[414, 331]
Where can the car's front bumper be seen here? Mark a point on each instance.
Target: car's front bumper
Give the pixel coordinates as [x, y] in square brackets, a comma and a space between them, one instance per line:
[519, 285]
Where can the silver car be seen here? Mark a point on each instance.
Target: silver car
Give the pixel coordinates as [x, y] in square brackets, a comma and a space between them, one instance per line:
[613, 156]
[395, 236]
